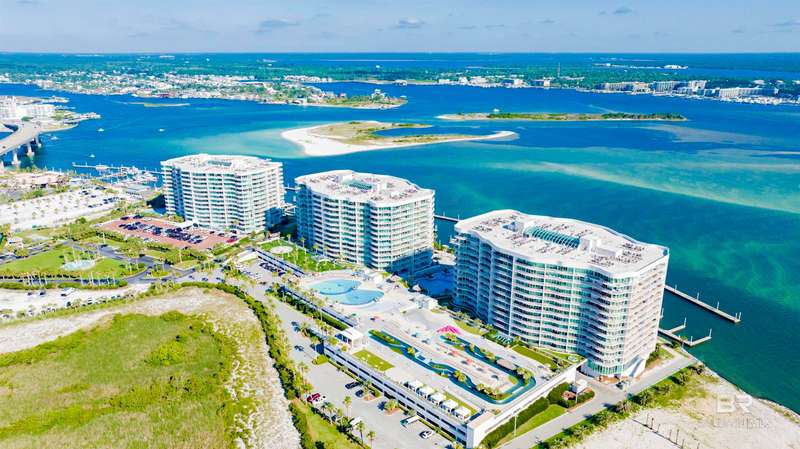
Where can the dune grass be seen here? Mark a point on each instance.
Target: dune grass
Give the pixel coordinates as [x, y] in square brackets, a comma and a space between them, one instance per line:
[134, 382]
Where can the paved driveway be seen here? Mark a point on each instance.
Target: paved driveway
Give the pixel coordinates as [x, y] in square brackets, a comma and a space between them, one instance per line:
[326, 379]
[605, 396]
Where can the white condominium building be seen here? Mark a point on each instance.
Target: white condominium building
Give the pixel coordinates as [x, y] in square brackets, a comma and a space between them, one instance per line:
[378, 221]
[225, 193]
[563, 284]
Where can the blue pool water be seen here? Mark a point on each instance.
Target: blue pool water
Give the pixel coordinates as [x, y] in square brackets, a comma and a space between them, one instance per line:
[346, 291]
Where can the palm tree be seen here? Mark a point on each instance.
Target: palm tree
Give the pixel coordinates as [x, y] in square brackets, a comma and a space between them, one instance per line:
[328, 408]
[339, 414]
[347, 401]
[371, 436]
[360, 428]
[302, 367]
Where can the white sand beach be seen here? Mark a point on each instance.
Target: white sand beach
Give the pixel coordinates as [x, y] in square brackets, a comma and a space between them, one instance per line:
[314, 144]
[722, 417]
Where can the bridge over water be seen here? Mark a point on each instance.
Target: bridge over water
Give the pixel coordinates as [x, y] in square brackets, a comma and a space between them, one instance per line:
[23, 134]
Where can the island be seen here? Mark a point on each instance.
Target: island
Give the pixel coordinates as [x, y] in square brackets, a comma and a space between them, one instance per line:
[564, 116]
[158, 105]
[350, 137]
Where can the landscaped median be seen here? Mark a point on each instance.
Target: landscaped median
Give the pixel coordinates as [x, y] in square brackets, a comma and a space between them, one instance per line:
[540, 412]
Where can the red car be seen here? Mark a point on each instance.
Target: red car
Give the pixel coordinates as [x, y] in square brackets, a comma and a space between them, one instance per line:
[313, 397]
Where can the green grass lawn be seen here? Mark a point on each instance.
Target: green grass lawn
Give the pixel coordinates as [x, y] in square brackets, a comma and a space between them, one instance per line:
[186, 264]
[535, 355]
[373, 360]
[50, 262]
[134, 382]
[475, 330]
[155, 253]
[158, 272]
[301, 257]
[551, 412]
[320, 430]
[660, 354]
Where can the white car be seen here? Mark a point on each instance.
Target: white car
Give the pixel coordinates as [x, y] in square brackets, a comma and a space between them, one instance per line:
[425, 434]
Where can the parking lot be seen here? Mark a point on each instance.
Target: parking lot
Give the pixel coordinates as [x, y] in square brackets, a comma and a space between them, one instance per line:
[330, 382]
[38, 301]
[60, 208]
[162, 231]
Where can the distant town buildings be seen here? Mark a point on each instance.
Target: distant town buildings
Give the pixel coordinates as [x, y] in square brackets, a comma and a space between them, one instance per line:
[14, 108]
[692, 87]
[224, 193]
[379, 221]
[563, 284]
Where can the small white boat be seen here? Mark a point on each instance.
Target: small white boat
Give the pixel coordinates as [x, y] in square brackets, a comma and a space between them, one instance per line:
[100, 130]
[161, 130]
[54, 138]
[91, 156]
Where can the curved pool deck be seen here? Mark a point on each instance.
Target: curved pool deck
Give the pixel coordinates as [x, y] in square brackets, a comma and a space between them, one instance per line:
[346, 291]
[442, 368]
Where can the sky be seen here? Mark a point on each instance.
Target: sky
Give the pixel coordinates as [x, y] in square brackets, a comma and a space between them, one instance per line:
[399, 26]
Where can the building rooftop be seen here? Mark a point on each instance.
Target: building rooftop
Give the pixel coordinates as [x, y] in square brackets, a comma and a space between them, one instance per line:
[366, 187]
[207, 163]
[562, 241]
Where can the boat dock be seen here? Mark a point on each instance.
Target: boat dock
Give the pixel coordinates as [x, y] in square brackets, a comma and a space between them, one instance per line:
[736, 319]
[672, 334]
[445, 218]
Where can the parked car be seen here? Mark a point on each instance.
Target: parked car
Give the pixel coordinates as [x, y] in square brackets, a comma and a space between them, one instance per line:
[313, 397]
[425, 434]
[352, 385]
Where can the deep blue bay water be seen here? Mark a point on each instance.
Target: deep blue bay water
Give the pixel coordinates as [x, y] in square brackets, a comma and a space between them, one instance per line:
[710, 188]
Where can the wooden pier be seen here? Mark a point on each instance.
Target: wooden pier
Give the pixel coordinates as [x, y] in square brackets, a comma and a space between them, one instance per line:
[736, 319]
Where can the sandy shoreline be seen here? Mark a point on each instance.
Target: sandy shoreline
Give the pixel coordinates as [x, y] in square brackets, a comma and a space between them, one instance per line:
[484, 117]
[317, 145]
[721, 417]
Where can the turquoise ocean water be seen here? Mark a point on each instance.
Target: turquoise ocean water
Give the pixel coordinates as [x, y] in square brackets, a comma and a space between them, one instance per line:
[722, 190]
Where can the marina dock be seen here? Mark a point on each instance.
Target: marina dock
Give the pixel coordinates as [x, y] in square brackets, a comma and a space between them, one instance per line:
[445, 218]
[672, 334]
[736, 319]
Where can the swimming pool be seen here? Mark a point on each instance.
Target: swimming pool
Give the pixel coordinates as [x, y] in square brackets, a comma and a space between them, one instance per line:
[346, 291]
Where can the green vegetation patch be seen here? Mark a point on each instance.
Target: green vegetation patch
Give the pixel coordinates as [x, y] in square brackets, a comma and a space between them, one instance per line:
[373, 360]
[475, 330]
[137, 381]
[318, 432]
[365, 133]
[51, 262]
[552, 412]
[301, 257]
[565, 116]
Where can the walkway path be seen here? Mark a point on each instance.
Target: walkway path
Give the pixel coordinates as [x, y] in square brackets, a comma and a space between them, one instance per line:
[605, 396]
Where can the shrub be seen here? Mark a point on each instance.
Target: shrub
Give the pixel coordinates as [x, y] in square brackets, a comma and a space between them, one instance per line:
[166, 354]
[506, 428]
[557, 393]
